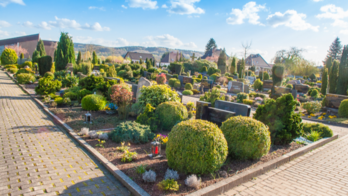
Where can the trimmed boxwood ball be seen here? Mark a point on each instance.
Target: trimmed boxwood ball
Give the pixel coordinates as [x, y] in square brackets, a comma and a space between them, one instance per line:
[196, 147]
[343, 109]
[170, 113]
[93, 102]
[188, 86]
[187, 92]
[247, 138]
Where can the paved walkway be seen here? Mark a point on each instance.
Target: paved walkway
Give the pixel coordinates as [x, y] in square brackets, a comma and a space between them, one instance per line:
[323, 171]
[39, 158]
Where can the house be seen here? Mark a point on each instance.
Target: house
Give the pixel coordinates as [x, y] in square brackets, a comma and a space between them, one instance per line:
[212, 55]
[258, 62]
[170, 58]
[135, 56]
[27, 45]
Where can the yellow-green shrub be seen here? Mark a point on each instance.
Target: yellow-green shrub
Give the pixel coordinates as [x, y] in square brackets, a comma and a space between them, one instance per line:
[25, 78]
[248, 101]
[170, 113]
[343, 109]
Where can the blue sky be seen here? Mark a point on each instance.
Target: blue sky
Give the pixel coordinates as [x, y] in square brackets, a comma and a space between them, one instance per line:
[271, 25]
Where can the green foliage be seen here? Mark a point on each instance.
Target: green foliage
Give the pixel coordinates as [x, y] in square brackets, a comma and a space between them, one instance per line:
[82, 93]
[175, 76]
[129, 156]
[65, 52]
[67, 101]
[233, 68]
[247, 138]
[36, 56]
[27, 63]
[222, 62]
[265, 75]
[213, 77]
[313, 77]
[93, 102]
[148, 64]
[211, 96]
[79, 58]
[196, 146]
[258, 84]
[254, 95]
[343, 109]
[25, 78]
[157, 94]
[325, 81]
[133, 132]
[187, 92]
[277, 74]
[49, 74]
[168, 185]
[177, 84]
[314, 93]
[8, 56]
[112, 72]
[70, 81]
[71, 95]
[188, 86]
[172, 81]
[248, 101]
[27, 71]
[322, 129]
[241, 97]
[213, 70]
[342, 83]
[210, 45]
[279, 116]
[333, 77]
[45, 64]
[311, 89]
[313, 136]
[94, 58]
[240, 68]
[148, 117]
[21, 56]
[58, 100]
[41, 48]
[86, 68]
[91, 82]
[12, 70]
[47, 86]
[170, 113]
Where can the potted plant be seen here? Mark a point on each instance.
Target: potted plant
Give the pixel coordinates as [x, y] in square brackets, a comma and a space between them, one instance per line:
[110, 108]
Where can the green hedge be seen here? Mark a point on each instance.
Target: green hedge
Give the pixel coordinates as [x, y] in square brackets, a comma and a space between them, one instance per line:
[45, 65]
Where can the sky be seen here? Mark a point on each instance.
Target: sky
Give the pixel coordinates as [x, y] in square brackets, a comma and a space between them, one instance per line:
[269, 25]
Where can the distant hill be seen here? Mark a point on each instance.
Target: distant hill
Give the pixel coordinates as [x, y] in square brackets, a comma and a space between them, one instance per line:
[156, 51]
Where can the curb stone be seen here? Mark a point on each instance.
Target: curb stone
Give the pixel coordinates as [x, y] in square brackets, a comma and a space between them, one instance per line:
[134, 188]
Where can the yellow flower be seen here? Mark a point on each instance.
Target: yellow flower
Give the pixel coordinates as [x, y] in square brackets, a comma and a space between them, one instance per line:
[312, 115]
[309, 117]
[323, 114]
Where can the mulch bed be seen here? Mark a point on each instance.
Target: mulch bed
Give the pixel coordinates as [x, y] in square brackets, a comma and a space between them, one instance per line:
[232, 167]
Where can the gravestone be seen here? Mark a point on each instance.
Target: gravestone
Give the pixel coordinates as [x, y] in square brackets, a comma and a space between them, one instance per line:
[189, 73]
[202, 111]
[207, 84]
[181, 79]
[96, 68]
[134, 90]
[237, 108]
[334, 100]
[235, 87]
[145, 74]
[251, 79]
[187, 79]
[218, 116]
[299, 77]
[246, 89]
[196, 86]
[267, 85]
[282, 90]
[142, 82]
[301, 88]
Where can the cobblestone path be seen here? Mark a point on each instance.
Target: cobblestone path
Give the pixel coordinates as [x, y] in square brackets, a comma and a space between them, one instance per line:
[39, 158]
[323, 171]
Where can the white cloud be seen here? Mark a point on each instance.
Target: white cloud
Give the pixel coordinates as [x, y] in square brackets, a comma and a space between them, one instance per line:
[317, 0]
[101, 41]
[291, 19]
[164, 6]
[336, 13]
[183, 7]
[167, 40]
[43, 25]
[4, 3]
[249, 11]
[22, 33]
[27, 24]
[344, 32]
[4, 24]
[96, 8]
[4, 33]
[123, 6]
[144, 4]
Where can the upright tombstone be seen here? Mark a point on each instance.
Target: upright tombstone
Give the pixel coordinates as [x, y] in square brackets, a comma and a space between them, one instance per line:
[267, 85]
[134, 90]
[237, 108]
[187, 79]
[207, 84]
[251, 79]
[235, 87]
[181, 79]
[246, 89]
[218, 116]
[301, 88]
[142, 82]
[202, 111]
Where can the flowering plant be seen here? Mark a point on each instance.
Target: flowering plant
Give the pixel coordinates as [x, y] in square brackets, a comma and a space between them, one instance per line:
[161, 78]
[110, 106]
[122, 97]
[258, 99]
[163, 139]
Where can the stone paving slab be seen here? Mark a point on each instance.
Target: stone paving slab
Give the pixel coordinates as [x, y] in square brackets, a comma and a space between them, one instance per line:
[39, 158]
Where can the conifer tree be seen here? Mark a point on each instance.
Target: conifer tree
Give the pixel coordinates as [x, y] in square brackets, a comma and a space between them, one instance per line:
[240, 67]
[210, 45]
[41, 48]
[233, 65]
[335, 50]
[78, 61]
[324, 81]
[35, 57]
[141, 61]
[342, 81]
[55, 55]
[222, 62]
[21, 56]
[148, 64]
[328, 63]
[65, 52]
[333, 76]
[112, 72]
[95, 58]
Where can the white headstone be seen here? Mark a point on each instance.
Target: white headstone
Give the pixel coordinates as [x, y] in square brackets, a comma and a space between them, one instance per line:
[142, 82]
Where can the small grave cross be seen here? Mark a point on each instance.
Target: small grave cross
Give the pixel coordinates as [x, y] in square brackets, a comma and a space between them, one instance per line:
[193, 57]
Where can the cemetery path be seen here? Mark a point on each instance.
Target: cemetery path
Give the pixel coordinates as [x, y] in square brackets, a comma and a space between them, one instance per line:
[323, 171]
[39, 158]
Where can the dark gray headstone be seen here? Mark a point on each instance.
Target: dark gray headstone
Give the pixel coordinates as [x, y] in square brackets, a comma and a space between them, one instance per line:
[134, 90]
[142, 82]
[181, 78]
[145, 74]
[301, 88]
[207, 83]
[202, 111]
[246, 89]
[187, 79]
[238, 108]
[218, 116]
[235, 87]
[267, 85]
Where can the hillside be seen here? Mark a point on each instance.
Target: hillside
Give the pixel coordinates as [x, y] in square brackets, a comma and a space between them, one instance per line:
[156, 51]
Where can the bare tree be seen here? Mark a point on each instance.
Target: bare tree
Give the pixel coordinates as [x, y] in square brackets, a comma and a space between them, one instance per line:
[246, 46]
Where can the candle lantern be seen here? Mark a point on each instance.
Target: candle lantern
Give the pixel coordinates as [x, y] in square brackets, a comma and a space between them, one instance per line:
[155, 148]
[88, 118]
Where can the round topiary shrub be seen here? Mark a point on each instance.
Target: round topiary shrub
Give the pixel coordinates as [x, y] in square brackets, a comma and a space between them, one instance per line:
[188, 86]
[156, 95]
[93, 102]
[172, 81]
[343, 109]
[187, 92]
[289, 86]
[177, 84]
[25, 78]
[247, 138]
[314, 93]
[170, 113]
[8, 56]
[196, 147]
[49, 74]
[258, 84]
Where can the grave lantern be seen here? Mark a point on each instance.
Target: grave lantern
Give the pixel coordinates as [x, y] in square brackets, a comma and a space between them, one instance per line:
[155, 148]
[88, 118]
